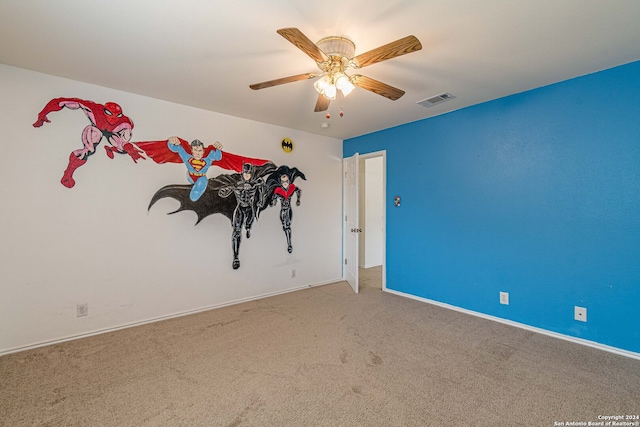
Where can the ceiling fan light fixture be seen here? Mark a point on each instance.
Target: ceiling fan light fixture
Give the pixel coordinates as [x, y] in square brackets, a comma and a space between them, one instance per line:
[343, 84]
[330, 92]
[348, 89]
[341, 80]
[326, 87]
[321, 84]
[330, 84]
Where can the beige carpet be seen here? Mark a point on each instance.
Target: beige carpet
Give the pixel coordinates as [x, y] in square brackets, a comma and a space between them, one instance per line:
[318, 357]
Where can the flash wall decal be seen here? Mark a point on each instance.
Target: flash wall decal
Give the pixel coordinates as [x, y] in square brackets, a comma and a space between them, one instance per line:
[107, 122]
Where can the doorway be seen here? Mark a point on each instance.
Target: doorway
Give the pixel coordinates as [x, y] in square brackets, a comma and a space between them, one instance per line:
[364, 188]
[371, 182]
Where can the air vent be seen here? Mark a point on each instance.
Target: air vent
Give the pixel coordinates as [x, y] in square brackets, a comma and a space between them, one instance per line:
[430, 102]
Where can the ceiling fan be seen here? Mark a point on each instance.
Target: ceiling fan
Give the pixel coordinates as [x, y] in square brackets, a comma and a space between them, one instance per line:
[334, 56]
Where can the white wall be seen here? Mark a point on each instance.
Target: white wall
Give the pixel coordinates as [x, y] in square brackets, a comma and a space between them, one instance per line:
[96, 243]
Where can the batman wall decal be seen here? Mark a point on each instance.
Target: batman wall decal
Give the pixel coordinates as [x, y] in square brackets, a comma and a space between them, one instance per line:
[241, 197]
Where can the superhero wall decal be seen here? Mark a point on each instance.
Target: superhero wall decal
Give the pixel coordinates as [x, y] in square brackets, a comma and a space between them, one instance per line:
[255, 184]
[107, 121]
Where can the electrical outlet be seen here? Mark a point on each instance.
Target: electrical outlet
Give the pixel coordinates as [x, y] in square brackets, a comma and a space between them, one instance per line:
[82, 310]
[580, 313]
[293, 273]
[504, 298]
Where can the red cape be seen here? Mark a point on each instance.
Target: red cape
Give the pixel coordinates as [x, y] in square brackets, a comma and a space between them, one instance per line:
[160, 153]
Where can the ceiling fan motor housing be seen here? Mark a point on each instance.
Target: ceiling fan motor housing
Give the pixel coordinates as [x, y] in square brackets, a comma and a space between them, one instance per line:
[337, 46]
[339, 50]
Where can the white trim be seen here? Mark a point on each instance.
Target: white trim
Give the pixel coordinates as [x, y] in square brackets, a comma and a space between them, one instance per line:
[618, 351]
[159, 318]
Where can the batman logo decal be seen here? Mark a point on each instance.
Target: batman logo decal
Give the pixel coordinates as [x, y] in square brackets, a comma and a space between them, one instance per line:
[287, 145]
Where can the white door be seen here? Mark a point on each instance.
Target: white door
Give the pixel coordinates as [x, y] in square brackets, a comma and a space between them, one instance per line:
[351, 226]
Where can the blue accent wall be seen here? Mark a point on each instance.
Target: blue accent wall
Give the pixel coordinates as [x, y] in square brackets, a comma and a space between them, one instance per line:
[536, 194]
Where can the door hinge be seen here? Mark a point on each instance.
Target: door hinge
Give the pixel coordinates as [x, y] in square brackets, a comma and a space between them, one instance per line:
[345, 261]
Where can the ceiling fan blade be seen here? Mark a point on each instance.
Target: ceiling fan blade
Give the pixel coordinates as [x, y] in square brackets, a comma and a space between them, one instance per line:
[397, 48]
[303, 43]
[322, 104]
[283, 80]
[377, 87]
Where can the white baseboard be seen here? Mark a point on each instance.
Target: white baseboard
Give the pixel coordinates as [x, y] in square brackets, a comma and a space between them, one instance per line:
[581, 341]
[159, 318]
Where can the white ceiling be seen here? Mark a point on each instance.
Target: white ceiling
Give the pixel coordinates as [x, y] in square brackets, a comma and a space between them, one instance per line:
[205, 53]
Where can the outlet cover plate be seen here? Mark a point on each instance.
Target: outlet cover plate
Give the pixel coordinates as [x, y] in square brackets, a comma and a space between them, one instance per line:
[580, 314]
[504, 298]
[82, 310]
